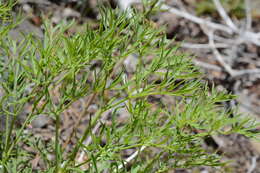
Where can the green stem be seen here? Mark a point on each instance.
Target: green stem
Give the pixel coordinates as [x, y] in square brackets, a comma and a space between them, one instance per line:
[57, 147]
[83, 138]
[14, 111]
[18, 135]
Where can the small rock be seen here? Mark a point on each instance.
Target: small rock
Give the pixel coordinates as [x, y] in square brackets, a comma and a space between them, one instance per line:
[92, 108]
[68, 12]
[41, 121]
[130, 63]
[124, 4]
[56, 18]
[50, 157]
[27, 8]
[26, 27]
[123, 115]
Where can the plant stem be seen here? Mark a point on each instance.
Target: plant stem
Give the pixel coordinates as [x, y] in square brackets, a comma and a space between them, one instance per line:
[91, 98]
[80, 142]
[57, 148]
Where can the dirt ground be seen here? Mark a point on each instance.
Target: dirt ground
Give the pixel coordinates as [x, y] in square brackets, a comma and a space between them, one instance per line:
[243, 152]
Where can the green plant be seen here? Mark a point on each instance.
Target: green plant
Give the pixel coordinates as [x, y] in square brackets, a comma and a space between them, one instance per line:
[164, 136]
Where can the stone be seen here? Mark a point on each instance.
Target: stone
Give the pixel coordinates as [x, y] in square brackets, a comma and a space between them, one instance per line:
[40, 121]
[130, 63]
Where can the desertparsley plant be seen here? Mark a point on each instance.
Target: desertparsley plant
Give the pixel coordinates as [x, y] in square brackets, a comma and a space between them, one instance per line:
[161, 135]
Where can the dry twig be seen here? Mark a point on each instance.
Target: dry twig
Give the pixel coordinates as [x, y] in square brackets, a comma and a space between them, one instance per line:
[132, 157]
[207, 65]
[248, 14]
[203, 46]
[220, 59]
[197, 20]
[243, 35]
[230, 28]
[253, 165]
[217, 54]
[224, 16]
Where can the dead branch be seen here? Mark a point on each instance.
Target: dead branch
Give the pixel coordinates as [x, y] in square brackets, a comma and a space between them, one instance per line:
[224, 16]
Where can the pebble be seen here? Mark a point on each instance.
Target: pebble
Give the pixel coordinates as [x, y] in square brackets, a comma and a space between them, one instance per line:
[40, 121]
[130, 63]
[92, 108]
[26, 27]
